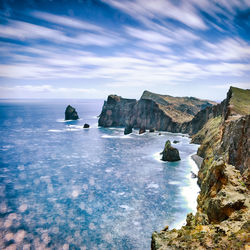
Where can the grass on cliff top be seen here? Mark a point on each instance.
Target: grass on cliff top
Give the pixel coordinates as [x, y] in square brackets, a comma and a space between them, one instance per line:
[210, 134]
[240, 101]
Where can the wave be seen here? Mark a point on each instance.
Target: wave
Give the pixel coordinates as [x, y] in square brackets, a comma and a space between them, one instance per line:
[55, 130]
[117, 136]
[65, 121]
[191, 191]
[157, 156]
[153, 185]
[174, 182]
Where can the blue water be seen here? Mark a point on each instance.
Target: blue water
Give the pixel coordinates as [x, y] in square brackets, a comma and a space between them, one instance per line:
[65, 187]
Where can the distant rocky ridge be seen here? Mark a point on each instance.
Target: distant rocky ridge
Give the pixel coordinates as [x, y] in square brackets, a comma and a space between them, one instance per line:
[223, 210]
[152, 111]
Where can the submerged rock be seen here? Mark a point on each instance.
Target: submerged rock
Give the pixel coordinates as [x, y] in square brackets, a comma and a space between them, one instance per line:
[70, 113]
[175, 142]
[152, 130]
[86, 125]
[170, 153]
[142, 130]
[128, 130]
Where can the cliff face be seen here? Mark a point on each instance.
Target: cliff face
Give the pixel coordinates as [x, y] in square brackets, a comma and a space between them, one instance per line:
[222, 218]
[116, 111]
[156, 111]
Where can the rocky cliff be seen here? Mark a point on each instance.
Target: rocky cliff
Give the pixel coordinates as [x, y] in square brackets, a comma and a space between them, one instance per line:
[222, 217]
[161, 112]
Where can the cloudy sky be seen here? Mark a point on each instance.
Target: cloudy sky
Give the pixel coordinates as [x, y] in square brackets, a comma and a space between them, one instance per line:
[92, 48]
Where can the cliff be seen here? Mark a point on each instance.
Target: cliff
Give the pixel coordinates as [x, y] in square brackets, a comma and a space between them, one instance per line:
[161, 112]
[222, 217]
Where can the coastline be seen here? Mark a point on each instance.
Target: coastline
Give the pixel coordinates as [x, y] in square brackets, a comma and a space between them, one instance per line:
[198, 160]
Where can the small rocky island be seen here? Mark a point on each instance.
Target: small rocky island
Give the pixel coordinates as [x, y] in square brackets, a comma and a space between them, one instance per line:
[170, 153]
[70, 113]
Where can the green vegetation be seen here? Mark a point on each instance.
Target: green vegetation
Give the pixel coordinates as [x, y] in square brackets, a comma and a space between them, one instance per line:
[209, 135]
[240, 101]
[180, 109]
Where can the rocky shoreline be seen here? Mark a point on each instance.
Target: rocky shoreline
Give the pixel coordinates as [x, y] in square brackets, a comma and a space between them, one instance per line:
[222, 217]
[197, 159]
[223, 159]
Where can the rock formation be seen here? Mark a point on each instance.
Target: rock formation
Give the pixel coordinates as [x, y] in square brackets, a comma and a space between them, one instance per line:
[70, 113]
[142, 131]
[170, 153]
[223, 210]
[128, 130]
[161, 112]
[86, 125]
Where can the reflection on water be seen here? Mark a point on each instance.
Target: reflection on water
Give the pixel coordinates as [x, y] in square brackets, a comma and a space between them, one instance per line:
[65, 187]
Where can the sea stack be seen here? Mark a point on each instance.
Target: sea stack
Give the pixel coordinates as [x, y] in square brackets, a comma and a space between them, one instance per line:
[128, 130]
[170, 153]
[70, 113]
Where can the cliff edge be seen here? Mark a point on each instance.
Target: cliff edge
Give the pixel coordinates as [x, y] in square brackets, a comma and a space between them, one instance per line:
[152, 111]
[222, 217]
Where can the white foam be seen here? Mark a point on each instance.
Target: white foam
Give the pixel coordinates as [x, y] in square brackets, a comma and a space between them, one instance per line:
[108, 170]
[179, 224]
[191, 191]
[126, 207]
[116, 136]
[153, 185]
[55, 130]
[73, 129]
[75, 126]
[62, 120]
[174, 183]
[157, 156]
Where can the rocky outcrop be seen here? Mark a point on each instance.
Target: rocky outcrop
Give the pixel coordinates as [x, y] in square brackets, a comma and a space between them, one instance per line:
[70, 113]
[116, 112]
[142, 131]
[128, 130]
[86, 125]
[223, 210]
[161, 112]
[170, 153]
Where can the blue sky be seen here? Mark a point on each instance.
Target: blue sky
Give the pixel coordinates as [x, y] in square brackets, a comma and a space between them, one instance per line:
[91, 48]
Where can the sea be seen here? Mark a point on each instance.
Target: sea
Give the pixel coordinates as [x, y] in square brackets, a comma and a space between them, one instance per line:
[66, 187]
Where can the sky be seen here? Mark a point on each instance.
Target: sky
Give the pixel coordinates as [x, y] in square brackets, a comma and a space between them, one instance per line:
[93, 48]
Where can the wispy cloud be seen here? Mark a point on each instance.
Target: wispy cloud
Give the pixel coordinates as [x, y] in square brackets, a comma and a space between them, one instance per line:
[24, 31]
[227, 49]
[157, 9]
[159, 43]
[67, 21]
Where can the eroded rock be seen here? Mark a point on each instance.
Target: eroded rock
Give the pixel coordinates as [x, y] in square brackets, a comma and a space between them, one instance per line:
[170, 153]
[70, 113]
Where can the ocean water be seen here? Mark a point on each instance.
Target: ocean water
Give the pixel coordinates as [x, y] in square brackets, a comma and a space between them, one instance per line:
[65, 187]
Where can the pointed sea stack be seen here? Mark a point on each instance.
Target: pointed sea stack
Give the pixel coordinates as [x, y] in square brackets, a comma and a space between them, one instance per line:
[170, 153]
[70, 113]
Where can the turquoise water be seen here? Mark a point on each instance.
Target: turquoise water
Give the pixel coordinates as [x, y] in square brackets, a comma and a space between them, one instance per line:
[65, 187]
